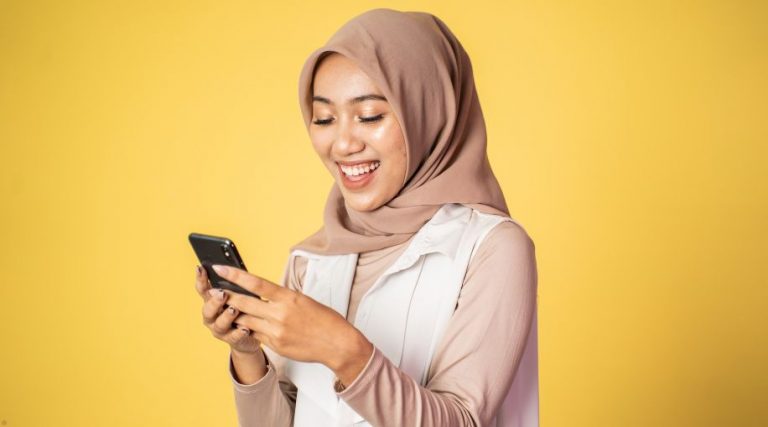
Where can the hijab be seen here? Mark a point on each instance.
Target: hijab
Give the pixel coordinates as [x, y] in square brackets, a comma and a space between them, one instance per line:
[426, 76]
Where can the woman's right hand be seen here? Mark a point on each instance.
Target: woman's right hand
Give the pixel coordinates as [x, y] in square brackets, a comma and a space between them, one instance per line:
[218, 317]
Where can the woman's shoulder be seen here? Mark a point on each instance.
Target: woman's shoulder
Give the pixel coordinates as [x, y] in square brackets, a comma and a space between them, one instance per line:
[503, 268]
[506, 239]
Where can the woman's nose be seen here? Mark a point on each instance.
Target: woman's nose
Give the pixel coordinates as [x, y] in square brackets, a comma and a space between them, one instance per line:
[346, 141]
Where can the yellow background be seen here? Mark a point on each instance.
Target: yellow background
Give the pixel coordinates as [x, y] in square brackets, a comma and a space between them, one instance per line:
[630, 138]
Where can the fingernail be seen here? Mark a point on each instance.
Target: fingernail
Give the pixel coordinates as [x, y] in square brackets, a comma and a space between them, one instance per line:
[232, 310]
[220, 269]
[212, 292]
[245, 330]
[221, 294]
[199, 270]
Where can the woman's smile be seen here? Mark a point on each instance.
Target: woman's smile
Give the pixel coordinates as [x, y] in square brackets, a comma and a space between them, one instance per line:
[357, 175]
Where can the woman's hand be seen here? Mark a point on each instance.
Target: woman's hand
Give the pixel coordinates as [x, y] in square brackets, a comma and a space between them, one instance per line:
[218, 318]
[296, 326]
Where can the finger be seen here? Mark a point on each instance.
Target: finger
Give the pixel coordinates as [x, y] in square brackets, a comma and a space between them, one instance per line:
[223, 323]
[202, 285]
[261, 338]
[233, 336]
[257, 285]
[213, 305]
[250, 305]
[258, 326]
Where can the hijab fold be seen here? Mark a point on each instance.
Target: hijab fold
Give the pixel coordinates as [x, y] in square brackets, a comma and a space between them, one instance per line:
[426, 76]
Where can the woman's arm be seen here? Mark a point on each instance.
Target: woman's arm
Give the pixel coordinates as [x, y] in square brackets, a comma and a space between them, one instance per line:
[263, 394]
[270, 401]
[248, 368]
[474, 364]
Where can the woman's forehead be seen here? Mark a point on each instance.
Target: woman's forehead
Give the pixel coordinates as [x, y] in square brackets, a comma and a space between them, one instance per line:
[339, 79]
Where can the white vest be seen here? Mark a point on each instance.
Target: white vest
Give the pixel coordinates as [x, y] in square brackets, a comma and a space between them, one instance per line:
[404, 314]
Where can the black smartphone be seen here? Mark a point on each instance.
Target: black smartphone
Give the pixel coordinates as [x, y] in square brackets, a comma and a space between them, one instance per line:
[213, 250]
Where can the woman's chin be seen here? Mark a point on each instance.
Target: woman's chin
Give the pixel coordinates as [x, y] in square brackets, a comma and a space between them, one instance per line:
[361, 205]
[364, 208]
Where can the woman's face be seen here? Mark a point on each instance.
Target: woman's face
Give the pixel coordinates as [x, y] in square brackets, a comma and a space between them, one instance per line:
[356, 134]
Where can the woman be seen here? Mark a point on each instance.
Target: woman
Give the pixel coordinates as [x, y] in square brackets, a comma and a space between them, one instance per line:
[415, 304]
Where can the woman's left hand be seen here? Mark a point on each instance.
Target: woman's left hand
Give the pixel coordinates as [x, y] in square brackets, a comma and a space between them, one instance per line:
[296, 326]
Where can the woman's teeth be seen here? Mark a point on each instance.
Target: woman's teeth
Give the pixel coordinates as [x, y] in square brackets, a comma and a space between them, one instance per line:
[359, 169]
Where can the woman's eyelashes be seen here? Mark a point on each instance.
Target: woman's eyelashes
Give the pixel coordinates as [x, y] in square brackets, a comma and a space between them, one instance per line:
[361, 119]
[369, 119]
[322, 122]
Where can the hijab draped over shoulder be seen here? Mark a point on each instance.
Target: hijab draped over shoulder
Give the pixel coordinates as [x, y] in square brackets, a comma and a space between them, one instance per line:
[426, 76]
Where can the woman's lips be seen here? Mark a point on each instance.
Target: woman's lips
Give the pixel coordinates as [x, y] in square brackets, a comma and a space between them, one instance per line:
[356, 182]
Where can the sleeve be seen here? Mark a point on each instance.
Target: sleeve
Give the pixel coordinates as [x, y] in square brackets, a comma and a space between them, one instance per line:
[476, 360]
[271, 400]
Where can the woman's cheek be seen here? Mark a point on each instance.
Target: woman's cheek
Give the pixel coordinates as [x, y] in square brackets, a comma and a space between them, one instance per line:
[325, 159]
[380, 132]
[321, 143]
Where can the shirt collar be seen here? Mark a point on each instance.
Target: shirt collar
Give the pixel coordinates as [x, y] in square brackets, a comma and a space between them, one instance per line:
[442, 233]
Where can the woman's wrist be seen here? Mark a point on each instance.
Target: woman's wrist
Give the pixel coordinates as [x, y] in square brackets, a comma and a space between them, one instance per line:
[258, 354]
[352, 359]
[249, 367]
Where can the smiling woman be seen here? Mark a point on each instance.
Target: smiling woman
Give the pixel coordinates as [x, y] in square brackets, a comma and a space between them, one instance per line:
[356, 134]
[415, 304]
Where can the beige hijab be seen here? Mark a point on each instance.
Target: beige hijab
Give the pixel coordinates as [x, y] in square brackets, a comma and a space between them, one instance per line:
[426, 76]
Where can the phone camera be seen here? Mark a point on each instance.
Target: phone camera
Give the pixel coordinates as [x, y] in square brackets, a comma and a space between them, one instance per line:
[226, 252]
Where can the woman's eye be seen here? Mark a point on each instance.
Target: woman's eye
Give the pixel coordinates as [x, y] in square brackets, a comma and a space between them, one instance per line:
[322, 122]
[371, 118]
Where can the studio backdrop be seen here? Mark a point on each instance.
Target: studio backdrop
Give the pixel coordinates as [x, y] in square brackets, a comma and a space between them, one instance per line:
[630, 139]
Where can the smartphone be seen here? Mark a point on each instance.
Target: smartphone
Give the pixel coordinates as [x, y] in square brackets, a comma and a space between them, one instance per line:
[211, 250]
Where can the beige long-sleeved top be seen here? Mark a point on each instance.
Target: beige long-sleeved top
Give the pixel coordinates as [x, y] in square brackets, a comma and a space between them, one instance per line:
[472, 368]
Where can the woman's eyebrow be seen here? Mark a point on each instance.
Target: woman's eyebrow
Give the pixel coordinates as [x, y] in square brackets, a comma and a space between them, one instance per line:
[361, 98]
[369, 97]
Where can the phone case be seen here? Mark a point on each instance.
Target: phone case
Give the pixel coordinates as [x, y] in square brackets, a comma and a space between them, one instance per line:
[212, 250]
